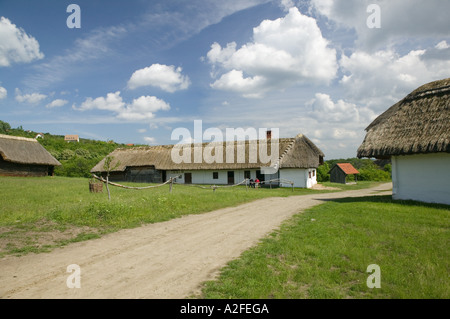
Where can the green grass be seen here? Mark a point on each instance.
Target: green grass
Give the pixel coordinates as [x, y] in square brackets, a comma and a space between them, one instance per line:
[325, 251]
[349, 187]
[31, 208]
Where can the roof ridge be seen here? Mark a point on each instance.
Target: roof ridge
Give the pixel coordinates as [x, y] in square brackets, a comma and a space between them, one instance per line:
[203, 143]
[19, 138]
[427, 92]
[287, 150]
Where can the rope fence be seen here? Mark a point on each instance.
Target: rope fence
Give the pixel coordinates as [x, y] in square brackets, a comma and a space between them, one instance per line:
[214, 187]
[172, 180]
[278, 181]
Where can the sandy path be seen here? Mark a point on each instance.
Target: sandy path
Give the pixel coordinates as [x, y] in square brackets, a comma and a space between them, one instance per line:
[164, 260]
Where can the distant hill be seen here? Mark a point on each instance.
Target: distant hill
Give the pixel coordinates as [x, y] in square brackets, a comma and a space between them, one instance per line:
[77, 158]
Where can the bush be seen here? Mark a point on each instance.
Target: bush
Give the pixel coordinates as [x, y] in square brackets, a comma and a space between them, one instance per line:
[66, 155]
[4, 127]
[374, 174]
[76, 167]
[322, 173]
[83, 153]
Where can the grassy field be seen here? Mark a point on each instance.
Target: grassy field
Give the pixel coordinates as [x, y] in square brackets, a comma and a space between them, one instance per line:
[325, 251]
[37, 214]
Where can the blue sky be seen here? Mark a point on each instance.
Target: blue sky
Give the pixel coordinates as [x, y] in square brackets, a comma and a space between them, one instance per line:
[137, 70]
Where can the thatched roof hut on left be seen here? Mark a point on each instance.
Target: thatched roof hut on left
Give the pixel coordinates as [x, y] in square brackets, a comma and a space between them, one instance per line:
[20, 156]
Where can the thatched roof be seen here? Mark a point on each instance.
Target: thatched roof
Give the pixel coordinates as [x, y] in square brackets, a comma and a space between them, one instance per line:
[420, 123]
[25, 151]
[298, 152]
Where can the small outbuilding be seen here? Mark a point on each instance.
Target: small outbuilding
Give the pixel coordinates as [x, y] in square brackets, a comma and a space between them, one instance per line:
[415, 134]
[340, 171]
[20, 156]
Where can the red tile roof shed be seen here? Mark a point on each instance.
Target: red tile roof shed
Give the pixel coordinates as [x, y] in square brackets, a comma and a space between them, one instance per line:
[347, 168]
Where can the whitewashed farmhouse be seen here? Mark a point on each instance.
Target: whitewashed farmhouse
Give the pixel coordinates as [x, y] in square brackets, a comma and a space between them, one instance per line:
[297, 162]
[415, 134]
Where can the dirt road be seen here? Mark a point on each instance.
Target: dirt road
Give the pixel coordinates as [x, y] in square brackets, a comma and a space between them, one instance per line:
[164, 260]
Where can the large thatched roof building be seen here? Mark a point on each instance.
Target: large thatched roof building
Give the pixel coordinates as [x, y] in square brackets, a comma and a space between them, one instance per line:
[297, 161]
[415, 133]
[21, 156]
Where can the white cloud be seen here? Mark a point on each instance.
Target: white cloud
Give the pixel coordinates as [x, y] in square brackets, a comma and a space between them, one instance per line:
[442, 45]
[165, 77]
[380, 79]
[284, 52]
[286, 4]
[150, 140]
[57, 103]
[33, 98]
[337, 126]
[3, 92]
[325, 110]
[400, 19]
[16, 46]
[112, 102]
[235, 81]
[142, 108]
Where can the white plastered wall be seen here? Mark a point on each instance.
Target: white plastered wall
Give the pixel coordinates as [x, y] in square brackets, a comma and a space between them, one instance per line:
[422, 177]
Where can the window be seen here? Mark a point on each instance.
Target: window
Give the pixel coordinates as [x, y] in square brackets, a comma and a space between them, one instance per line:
[309, 174]
[247, 174]
[215, 175]
[314, 173]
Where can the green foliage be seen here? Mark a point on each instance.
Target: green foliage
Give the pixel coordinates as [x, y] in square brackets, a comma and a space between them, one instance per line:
[66, 155]
[369, 171]
[75, 167]
[374, 174]
[4, 127]
[322, 173]
[77, 159]
[388, 168]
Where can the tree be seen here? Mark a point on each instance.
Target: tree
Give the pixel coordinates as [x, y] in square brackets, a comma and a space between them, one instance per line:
[66, 155]
[4, 127]
[108, 167]
[322, 173]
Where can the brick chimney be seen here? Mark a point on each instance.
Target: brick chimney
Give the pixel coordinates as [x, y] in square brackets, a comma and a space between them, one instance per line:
[268, 134]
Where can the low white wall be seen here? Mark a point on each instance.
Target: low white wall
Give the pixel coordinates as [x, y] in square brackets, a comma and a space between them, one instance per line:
[422, 177]
[300, 177]
[206, 177]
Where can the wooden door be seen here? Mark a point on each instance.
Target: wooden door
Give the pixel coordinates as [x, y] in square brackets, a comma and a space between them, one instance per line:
[231, 177]
[188, 178]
